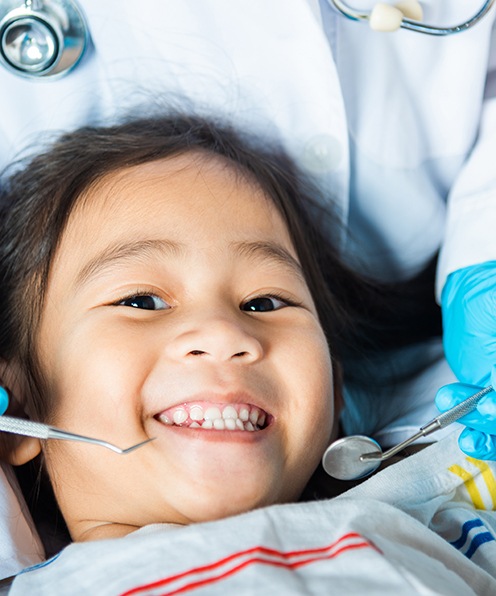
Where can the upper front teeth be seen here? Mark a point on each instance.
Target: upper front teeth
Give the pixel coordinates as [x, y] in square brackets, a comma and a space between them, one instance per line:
[218, 417]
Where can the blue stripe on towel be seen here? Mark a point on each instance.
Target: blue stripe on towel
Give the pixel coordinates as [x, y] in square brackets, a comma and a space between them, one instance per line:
[467, 526]
[477, 541]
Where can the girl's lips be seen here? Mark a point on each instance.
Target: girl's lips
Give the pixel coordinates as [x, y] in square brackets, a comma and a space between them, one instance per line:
[216, 416]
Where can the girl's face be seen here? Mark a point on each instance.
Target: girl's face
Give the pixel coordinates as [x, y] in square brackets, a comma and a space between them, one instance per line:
[176, 309]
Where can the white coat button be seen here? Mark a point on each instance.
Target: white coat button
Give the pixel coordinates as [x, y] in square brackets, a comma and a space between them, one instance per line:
[322, 153]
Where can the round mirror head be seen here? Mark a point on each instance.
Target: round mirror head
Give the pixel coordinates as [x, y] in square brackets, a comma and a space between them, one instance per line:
[341, 459]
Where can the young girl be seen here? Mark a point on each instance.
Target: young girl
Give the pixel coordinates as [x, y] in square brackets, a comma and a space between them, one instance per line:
[161, 280]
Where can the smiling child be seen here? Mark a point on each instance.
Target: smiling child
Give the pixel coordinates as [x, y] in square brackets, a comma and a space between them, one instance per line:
[161, 280]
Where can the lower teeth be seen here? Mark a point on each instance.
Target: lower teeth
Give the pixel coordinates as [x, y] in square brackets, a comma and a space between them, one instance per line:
[228, 424]
[211, 423]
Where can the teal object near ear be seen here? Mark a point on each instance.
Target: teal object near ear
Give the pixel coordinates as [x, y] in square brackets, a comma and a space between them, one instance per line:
[4, 400]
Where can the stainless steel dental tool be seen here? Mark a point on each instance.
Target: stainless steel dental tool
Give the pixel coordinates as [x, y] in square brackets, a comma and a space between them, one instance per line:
[28, 428]
[351, 458]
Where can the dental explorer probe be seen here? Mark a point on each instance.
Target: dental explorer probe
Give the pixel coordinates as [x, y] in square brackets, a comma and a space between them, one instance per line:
[354, 457]
[38, 430]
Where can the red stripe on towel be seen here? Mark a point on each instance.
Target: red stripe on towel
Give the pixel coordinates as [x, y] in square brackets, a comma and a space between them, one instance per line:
[256, 555]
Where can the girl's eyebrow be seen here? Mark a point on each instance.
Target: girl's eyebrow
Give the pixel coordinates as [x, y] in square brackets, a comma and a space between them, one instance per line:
[113, 254]
[110, 256]
[270, 252]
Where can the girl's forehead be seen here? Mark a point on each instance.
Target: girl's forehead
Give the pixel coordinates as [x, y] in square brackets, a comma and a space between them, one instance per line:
[194, 198]
[183, 167]
[188, 179]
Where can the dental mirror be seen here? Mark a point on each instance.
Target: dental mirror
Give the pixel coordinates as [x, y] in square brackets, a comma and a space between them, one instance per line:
[355, 457]
[343, 459]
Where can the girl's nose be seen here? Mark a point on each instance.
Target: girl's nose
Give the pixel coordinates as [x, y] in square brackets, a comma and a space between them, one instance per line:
[219, 340]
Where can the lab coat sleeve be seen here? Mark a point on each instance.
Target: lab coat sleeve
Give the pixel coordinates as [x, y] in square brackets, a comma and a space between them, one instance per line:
[470, 236]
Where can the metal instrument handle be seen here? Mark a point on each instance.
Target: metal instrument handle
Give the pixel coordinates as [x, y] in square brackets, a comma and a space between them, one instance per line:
[27, 428]
[441, 421]
[452, 415]
[38, 430]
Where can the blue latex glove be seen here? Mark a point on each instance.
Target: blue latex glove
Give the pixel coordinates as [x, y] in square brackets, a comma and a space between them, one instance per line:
[468, 304]
[469, 329]
[478, 439]
[4, 400]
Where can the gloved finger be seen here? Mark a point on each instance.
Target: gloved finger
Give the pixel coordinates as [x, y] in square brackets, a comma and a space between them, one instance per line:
[482, 418]
[451, 395]
[477, 444]
[4, 400]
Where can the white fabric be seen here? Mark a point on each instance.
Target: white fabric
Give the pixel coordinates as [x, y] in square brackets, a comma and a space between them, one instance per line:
[471, 211]
[391, 535]
[20, 545]
[384, 122]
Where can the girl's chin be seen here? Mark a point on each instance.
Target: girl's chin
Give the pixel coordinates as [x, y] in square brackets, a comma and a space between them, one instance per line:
[223, 508]
[225, 497]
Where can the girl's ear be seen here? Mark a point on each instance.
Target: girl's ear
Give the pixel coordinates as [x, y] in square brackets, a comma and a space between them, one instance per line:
[15, 449]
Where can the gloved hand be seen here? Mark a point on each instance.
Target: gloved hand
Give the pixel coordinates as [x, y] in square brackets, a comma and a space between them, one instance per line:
[469, 329]
[468, 305]
[479, 438]
[4, 400]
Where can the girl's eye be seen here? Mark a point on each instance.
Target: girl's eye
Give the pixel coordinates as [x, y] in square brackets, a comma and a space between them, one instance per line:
[145, 302]
[265, 304]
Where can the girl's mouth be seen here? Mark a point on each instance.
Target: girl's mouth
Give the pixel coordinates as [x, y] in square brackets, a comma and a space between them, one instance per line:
[216, 416]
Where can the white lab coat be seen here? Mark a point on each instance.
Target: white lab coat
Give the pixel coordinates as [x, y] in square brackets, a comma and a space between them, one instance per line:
[386, 123]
